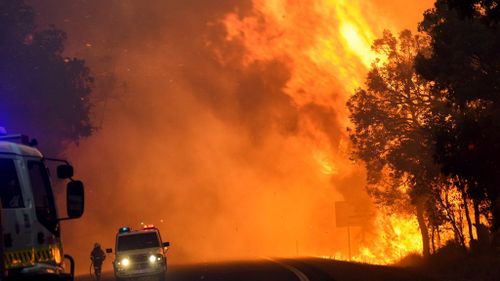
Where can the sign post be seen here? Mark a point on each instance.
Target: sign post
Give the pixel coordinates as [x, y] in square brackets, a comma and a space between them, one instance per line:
[349, 240]
[346, 215]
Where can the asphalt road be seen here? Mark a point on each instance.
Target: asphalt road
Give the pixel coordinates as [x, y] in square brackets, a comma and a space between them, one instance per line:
[284, 270]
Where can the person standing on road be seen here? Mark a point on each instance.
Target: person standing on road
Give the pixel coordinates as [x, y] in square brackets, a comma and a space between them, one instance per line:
[97, 256]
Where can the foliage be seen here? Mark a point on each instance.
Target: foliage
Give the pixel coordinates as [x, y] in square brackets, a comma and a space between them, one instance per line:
[42, 93]
[425, 124]
[391, 119]
[465, 39]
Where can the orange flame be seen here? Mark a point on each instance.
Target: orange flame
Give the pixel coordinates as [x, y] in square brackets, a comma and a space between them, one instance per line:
[326, 45]
[397, 236]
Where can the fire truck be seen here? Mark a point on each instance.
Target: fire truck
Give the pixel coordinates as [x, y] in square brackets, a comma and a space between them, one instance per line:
[30, 223]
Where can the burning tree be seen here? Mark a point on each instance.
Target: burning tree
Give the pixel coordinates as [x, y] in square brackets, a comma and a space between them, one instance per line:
[390, 119]
[404, 122]
[390, 134]
[465, 39]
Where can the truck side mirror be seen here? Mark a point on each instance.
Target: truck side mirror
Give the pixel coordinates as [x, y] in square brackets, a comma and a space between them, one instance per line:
[64, 171]
[165, 244]
[75, 200]
[109, 250]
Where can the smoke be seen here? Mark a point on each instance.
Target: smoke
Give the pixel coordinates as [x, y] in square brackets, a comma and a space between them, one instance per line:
[200, 140]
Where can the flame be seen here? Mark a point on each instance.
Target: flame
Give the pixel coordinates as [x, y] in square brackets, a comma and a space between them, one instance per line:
[326, 164]
[395, 237]
[400, 237]
[326, 45]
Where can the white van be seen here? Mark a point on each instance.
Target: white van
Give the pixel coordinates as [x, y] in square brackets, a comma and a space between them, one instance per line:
[139, 253]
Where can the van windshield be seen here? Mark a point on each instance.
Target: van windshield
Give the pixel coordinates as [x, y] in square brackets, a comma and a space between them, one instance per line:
[138, 241]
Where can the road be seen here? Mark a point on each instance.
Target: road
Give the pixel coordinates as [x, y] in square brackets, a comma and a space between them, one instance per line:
[312, 269]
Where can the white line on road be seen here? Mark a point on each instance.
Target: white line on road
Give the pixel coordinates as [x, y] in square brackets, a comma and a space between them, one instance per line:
[298, 273]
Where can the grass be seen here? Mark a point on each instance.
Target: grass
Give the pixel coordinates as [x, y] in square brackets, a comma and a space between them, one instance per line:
[453, 263]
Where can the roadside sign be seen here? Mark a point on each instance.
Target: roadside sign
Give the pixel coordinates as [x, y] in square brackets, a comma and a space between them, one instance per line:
[347, 214]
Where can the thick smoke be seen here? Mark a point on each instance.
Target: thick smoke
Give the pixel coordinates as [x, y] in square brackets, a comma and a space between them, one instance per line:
[193, 139]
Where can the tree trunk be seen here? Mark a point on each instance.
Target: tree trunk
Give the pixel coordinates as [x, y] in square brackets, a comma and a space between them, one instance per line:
[477, 222]
[423, 229]
[439, 237]
[467, 216]
[451, 219]
[433, 238]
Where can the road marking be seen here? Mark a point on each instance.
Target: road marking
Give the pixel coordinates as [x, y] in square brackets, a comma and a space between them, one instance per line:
[298, 273]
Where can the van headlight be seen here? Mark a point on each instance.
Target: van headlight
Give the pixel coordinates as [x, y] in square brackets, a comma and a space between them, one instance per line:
[154, 258]
[124, 262]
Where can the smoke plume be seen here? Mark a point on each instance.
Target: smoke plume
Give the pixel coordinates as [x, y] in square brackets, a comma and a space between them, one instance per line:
[221, 122]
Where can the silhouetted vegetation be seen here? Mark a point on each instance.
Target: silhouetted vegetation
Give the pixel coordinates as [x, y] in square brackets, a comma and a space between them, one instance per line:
[42, 92]
[390, 118]
[465, 40]
[426, 124]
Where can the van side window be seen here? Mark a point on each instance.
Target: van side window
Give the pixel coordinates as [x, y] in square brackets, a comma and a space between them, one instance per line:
[43, 197]
[10, 190]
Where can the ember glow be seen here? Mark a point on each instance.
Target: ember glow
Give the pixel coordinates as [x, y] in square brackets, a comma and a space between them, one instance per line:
[224, 124]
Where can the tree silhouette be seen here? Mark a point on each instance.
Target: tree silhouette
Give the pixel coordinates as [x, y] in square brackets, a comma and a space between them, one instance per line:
[465, 38]
[42, 93]
[391, 118]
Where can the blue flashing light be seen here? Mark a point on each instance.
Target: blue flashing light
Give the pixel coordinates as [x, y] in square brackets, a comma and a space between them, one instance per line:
[124, 229]
[3, 132]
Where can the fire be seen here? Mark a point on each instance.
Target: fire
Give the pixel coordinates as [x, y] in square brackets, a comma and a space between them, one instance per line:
[327, 166]
[396, 237]
[400, 237]
[357, 43]
[273, 187]
[326, 45]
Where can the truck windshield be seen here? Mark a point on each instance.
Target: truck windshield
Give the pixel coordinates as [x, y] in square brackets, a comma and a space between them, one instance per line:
[42, 193]
[137, 241]
[10, 190]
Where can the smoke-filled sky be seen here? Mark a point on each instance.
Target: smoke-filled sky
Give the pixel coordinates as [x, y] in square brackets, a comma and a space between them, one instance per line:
[222, 122]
